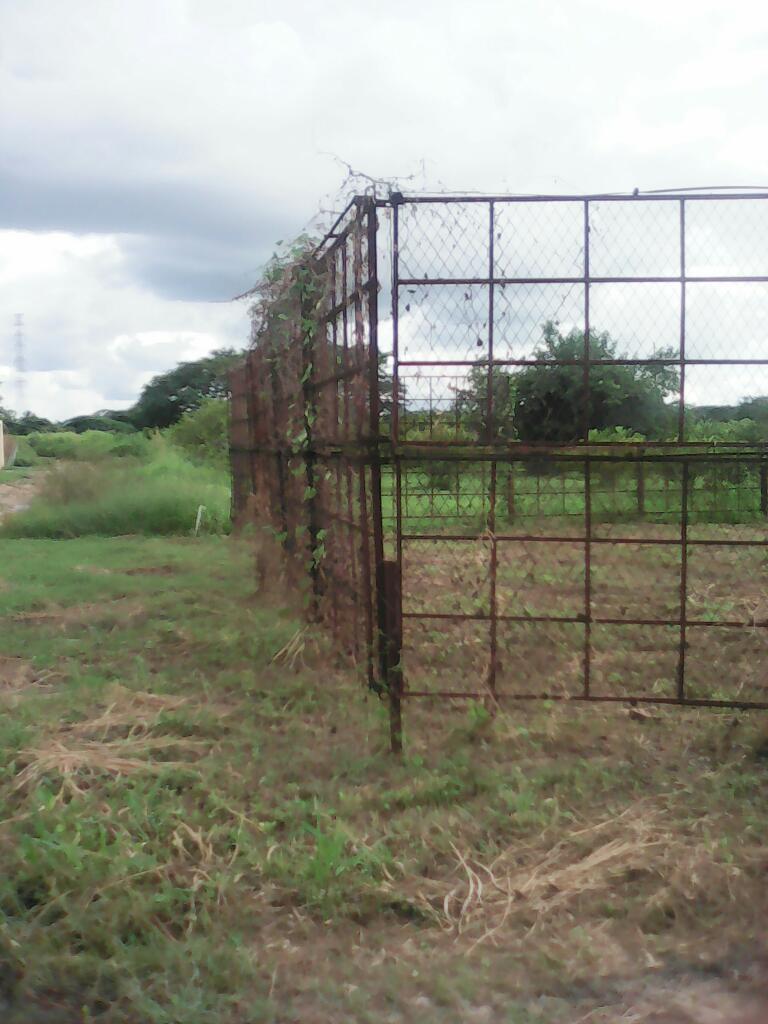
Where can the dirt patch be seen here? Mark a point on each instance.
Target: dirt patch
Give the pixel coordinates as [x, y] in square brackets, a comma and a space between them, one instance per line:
[150, 570]
[18, 494]
[735, 997]
[16, 674]
[117, 612]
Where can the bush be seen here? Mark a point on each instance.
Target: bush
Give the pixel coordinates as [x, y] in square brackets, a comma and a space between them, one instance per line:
[158, 497]
[25, 453]
[204, 433]
[90, 446]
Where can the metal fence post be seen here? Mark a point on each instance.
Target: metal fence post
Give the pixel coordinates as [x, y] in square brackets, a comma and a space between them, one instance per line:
[392, 643]
[764, 486]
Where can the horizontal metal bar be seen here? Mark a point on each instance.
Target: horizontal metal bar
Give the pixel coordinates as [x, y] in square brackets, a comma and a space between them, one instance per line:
[600, 620]
[411, 282]
[690, 702]
[580, 362]
[356, 295]
[603, 197]
[525, 538]
[583, 451]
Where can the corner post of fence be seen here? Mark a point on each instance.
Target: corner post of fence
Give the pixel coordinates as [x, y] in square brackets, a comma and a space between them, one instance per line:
[392, 643]
[764, 485]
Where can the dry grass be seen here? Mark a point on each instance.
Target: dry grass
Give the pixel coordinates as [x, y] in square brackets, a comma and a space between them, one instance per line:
[559, 877]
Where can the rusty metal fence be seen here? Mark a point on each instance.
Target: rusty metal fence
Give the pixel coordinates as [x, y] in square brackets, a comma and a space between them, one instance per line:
[518, 446]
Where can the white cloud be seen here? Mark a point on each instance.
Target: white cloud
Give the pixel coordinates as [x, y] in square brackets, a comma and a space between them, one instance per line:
[155, 150]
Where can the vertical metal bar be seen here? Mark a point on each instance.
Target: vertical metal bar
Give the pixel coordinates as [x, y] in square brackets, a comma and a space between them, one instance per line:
[492, 597]
[684, 476]
[587, 328]
[494, 466]
[587, 468]
[640, 471]
[368, 211]
[395, 429]
[683, 584]
[681, 407]
[392, 636]
[306, 339]
[368, 582]
[395, 323]
[490, 433]
[764, 486]
[587, 577]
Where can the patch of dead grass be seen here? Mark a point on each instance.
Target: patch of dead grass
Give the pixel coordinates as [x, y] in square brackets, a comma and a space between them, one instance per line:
[558, 879]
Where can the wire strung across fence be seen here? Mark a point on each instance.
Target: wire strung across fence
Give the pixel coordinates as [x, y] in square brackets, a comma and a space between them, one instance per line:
[517, 446]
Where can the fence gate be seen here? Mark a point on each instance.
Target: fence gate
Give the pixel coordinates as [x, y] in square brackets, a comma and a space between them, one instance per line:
[518, 446]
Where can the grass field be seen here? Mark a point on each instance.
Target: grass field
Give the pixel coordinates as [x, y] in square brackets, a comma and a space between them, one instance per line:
[201, 822]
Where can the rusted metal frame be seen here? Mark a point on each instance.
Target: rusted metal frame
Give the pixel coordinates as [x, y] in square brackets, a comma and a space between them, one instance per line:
[362, 464]
[681, 352]
[392, 643]
[365, 584]
[348, 374]
[365, 558]
[688, 702]
[308, 342]
[345, 520]
[491, 434]
[333, 514]
[603, 197]
[387, 669]
[280, 454]
[332, 235]
[599, 620]
[578, 362]
[626, 279]
[620, 453]
[684, 475]
[509, 538]
[683, 583]
[395, 422]
[359, 293]
[587, 469]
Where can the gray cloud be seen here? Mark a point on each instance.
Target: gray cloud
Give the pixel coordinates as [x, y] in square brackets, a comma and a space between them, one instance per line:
[189, 135]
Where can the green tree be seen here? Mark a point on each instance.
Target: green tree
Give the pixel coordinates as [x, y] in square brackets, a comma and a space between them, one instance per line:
[472, 404]
[204, 432]
[28, 423]
[550, 399]
[168, 396]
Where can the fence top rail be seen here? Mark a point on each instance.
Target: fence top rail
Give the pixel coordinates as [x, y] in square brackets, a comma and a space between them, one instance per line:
[689, 195]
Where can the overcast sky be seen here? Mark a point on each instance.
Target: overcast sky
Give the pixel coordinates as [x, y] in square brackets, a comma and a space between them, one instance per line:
[152, 152]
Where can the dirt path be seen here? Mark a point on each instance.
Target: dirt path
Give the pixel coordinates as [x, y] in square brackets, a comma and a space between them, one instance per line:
[17, 494]
[737, 996]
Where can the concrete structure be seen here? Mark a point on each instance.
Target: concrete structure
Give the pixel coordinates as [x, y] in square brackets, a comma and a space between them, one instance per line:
[7, 448]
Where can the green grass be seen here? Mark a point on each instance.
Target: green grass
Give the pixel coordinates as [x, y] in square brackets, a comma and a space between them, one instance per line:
[159, 495]
[445, 496]
[193, 831]
[12, 473]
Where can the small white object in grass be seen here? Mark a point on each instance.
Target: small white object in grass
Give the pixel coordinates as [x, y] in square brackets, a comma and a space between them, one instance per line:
[198, 521]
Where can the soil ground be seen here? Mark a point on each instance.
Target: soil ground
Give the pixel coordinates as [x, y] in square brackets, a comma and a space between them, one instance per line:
[201, 822]
[16, 490]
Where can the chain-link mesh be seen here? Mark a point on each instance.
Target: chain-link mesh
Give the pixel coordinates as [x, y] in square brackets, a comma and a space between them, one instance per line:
[562, 451]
